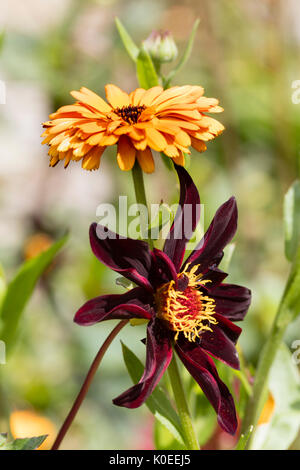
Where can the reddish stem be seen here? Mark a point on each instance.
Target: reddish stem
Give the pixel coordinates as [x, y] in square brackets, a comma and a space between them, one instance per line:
[86, 385]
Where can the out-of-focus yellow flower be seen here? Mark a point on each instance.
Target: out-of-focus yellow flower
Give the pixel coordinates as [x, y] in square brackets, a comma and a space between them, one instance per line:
[36, 244]
[25, 423]
[268, 410]
[168, 121]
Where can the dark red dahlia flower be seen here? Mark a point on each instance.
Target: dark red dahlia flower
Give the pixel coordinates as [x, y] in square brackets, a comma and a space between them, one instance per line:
[187, 304]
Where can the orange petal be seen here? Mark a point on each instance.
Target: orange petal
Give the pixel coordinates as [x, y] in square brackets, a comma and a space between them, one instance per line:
[150, 95]
[95, 139]
[140, 145]
[179, 160]
[156, 140]
[171, 151]
[126, 154]
[136, 96]
[92, 159]
[268, 410]
[25, 423]
[92, 127]
[145, 159]
[198, 145]
[182, 138]
[116, 97]
[90, 98]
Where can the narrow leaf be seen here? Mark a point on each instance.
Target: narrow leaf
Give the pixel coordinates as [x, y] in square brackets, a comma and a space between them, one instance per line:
[228, 252]
[146, 72]
[29, 443]
[244, 439]
[291, 215]
[185, 57]
[2, 284]
[20, 289]
[2, 35]
[158, 403]
[129, 44]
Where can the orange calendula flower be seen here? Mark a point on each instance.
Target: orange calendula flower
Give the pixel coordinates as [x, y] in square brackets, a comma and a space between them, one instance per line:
[168, 121]
[26, 423]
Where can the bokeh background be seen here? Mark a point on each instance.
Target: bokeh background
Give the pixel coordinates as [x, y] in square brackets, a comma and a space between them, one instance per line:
[246, 54]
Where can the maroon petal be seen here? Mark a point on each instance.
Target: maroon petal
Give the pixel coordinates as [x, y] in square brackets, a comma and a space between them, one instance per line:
[203, 370]
[232, 301]
[219, 234]
[222, 340]
[215, 276]
[159, 355]
[186, 219]
[131, 258]
[163, 269]
[132, 304]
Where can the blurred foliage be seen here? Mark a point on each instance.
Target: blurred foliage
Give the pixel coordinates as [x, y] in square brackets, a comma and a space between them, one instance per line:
[245, 53]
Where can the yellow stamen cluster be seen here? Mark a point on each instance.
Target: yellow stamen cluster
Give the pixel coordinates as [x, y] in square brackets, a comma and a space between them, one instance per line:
[189, 311]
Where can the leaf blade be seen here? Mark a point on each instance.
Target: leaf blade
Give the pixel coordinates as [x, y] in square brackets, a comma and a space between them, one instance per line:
[129, 44]
[186, 54]
[19, 290]
[145, 69]
[158, 403]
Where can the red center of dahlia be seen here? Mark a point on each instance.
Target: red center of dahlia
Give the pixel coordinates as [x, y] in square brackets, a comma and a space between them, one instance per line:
[188, 311]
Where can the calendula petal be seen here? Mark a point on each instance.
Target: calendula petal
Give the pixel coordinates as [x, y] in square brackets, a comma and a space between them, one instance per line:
[126, 154]
[180, 160]
[116, 97]
[198, 145]
[145, 159]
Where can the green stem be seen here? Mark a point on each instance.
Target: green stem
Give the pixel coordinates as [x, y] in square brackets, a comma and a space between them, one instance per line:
[140, 194]
[182, 406]
[259, 392]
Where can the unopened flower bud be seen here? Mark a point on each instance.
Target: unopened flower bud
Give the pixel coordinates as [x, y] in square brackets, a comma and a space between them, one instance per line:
[161, 46]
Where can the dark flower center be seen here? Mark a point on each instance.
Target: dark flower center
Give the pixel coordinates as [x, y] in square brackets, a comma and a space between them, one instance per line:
[188, 311]
[130, 114]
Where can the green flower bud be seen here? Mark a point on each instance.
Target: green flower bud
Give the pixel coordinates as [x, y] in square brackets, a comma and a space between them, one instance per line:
[161, 47]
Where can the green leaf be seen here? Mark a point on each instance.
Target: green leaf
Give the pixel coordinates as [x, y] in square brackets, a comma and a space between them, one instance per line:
[167, 161]
[146, 72]
[163, 217]
[2, 284]
[123, 282]
[164, 439]
[158, 403]
[185, 57]
[291, 299]
[20, 289]
[2, 35]
[284, 384]
[29, 443]
[129, 44]
[291, 216]
[244, 439]
[228, 252]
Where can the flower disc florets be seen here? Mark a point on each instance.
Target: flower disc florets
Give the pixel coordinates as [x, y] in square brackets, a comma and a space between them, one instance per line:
[189, 310]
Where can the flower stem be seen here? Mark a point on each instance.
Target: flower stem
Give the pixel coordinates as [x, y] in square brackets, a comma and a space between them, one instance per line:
[86, 385]
[256, 401]
[284, 316]
[140, 194]
[191, 440]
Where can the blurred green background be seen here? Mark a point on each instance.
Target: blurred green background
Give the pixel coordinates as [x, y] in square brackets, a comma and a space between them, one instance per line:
[247, 55]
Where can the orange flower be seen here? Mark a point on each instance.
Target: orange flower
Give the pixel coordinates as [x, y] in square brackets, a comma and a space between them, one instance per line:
[36, 244]
[168, 121]
[25, 423]
[268, 410]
